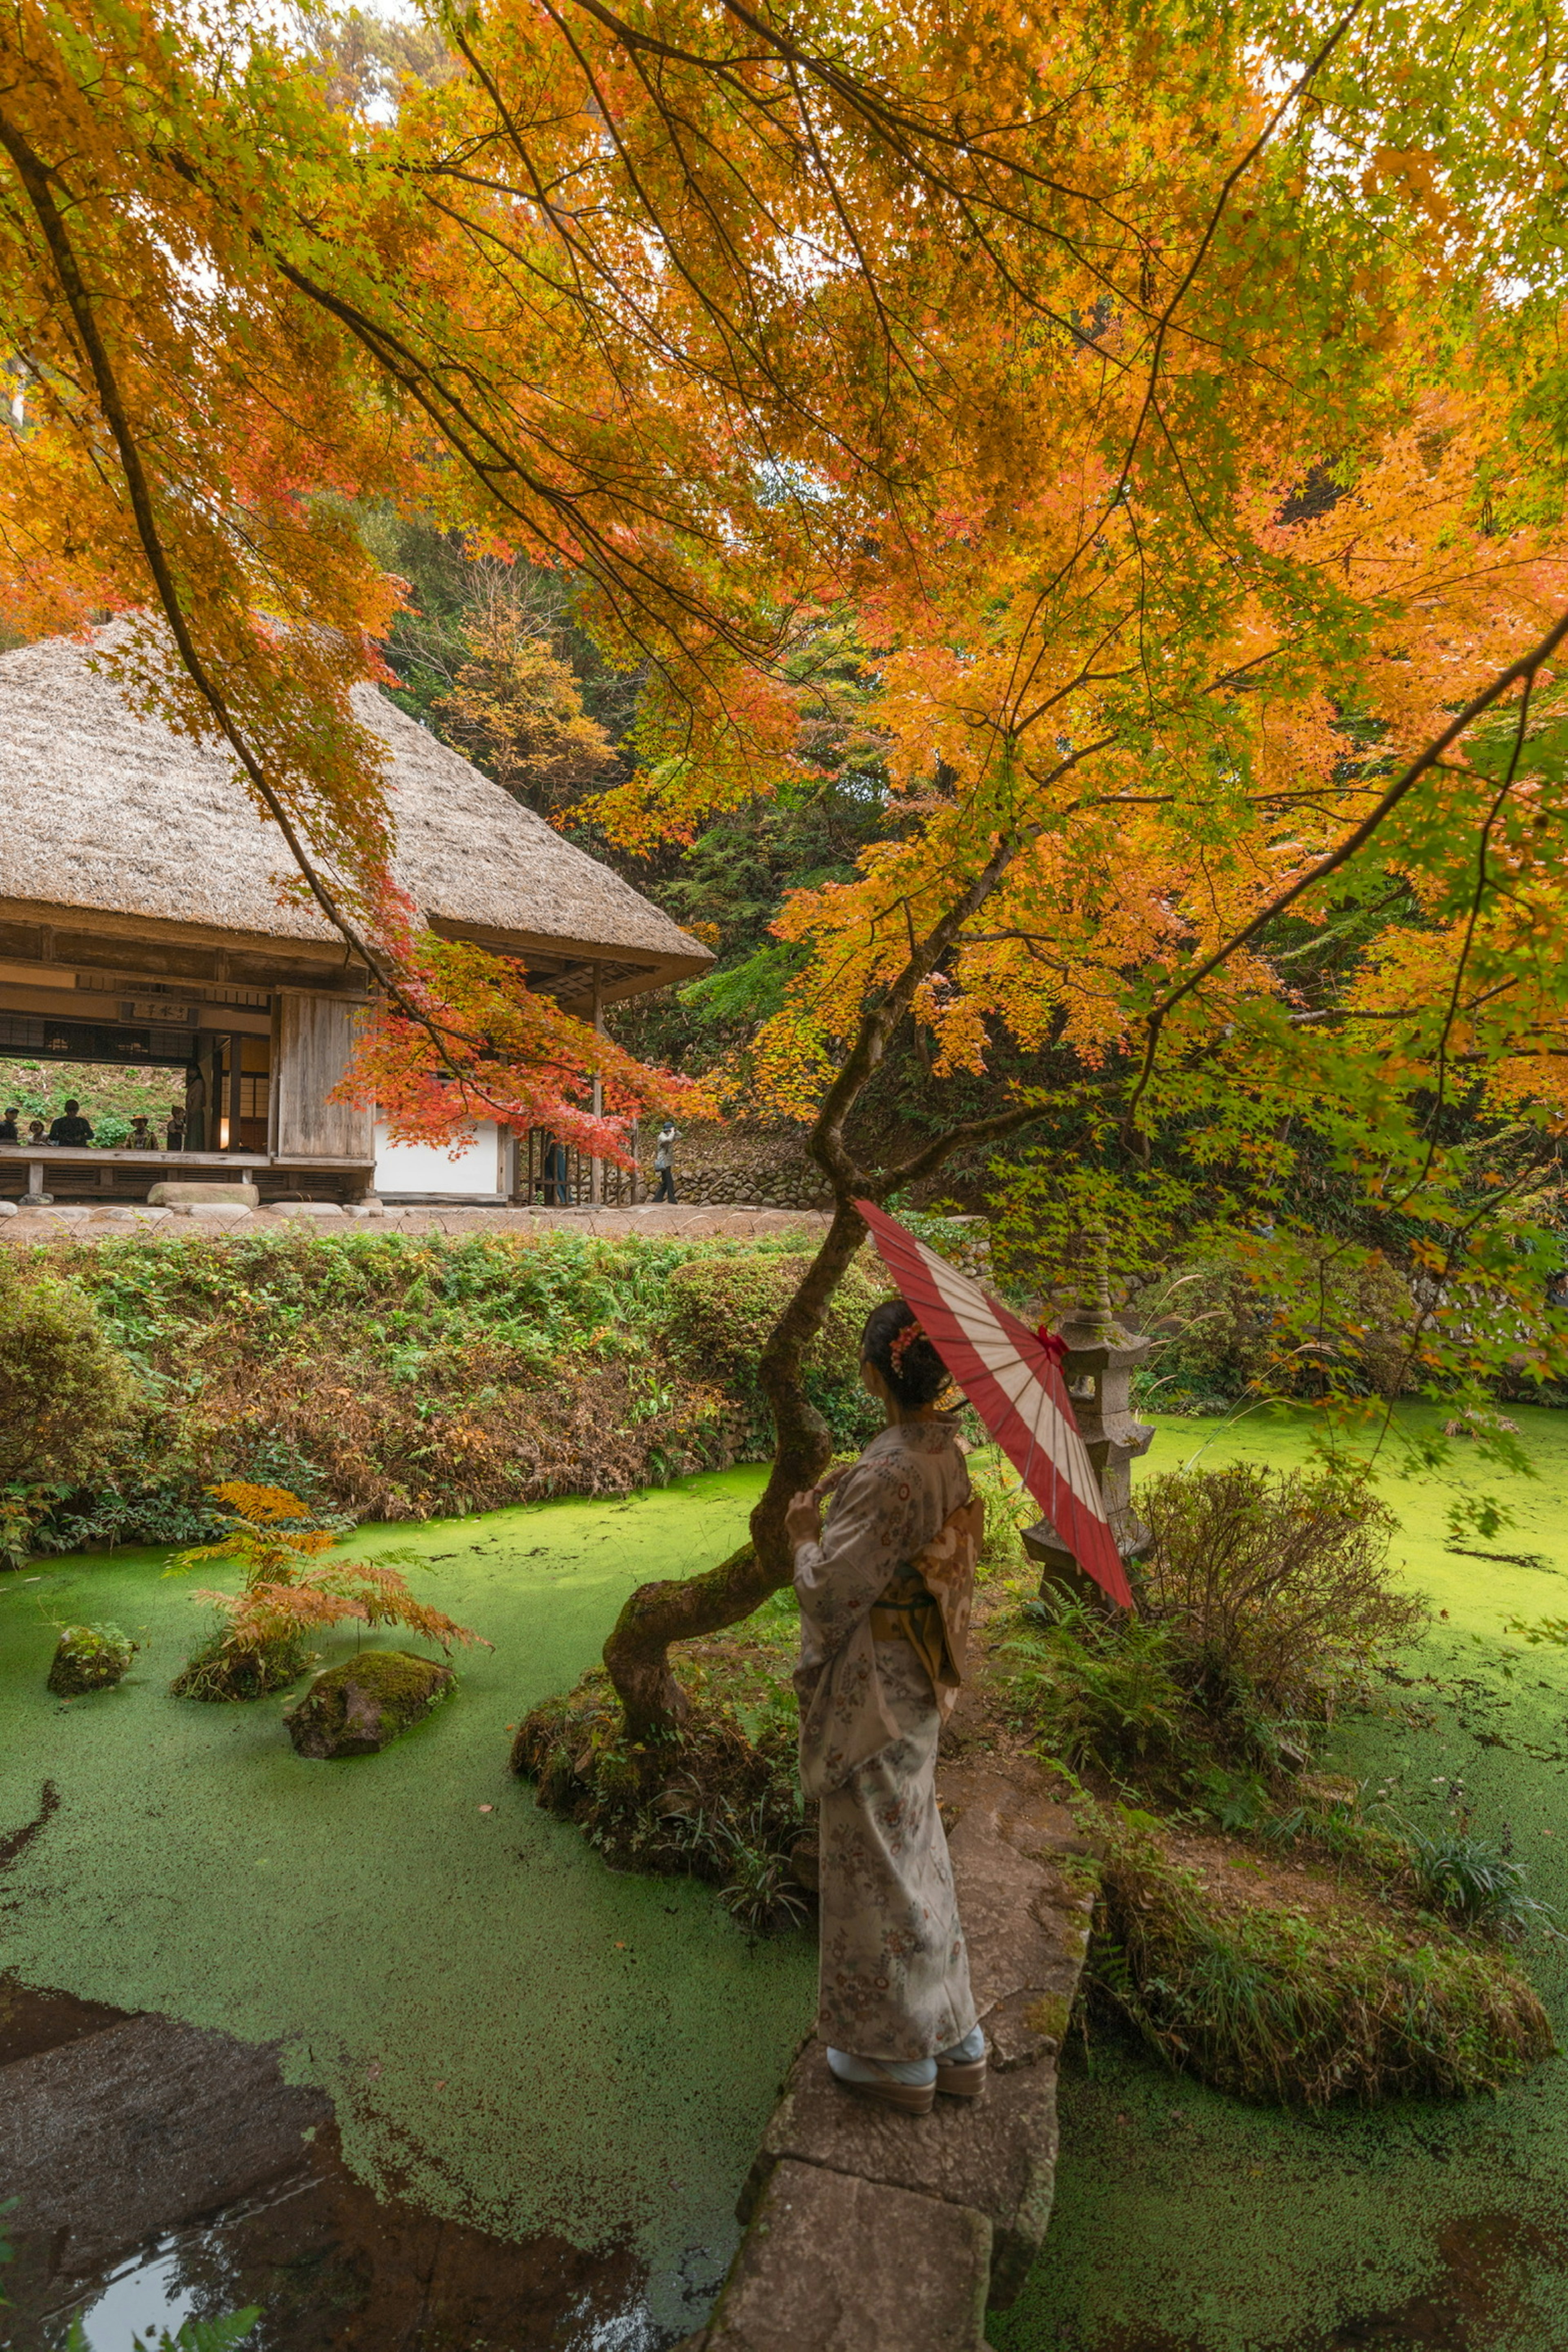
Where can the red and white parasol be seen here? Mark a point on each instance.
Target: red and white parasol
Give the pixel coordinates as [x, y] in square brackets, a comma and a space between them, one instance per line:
[1011, 1378]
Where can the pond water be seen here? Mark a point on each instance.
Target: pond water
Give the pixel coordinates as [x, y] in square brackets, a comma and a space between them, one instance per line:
[546, 2080]
[513, 2040]
[1185, 2222]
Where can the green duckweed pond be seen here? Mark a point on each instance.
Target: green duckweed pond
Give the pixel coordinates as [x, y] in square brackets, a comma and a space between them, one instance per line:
[514, 2037]
[525, 2042]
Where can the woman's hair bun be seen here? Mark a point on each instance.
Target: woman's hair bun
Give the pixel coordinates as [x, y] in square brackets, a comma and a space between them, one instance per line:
[894, 1341]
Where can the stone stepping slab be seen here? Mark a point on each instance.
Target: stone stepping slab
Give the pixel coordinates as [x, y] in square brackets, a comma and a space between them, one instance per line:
[871, 2231]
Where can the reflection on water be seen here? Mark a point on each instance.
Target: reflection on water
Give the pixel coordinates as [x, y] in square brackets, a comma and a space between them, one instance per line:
[163, 2173]
[143, 2297]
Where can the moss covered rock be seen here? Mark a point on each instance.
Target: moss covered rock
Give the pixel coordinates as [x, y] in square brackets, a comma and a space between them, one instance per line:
[357, 1708]
[89, 1658]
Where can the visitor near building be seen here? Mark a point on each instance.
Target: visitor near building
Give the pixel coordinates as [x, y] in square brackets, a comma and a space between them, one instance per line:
[36, 1131]
[557, 1175]
[141, 1138]
[8, 1129]
[174, 1129]
[70, 1128]
[884, 1591]
[664, 1161]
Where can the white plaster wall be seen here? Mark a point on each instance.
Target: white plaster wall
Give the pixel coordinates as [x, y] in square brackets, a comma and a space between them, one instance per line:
[430, 1168]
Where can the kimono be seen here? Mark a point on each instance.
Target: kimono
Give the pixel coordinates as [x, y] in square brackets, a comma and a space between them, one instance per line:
[901, 1538]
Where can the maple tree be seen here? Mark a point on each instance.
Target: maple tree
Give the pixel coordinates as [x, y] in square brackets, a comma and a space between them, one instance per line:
[1164, 402]
[515, 705]
[1232, 612]
[291, 1587]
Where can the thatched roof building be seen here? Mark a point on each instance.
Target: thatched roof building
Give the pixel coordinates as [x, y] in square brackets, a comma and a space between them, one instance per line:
[140, 919]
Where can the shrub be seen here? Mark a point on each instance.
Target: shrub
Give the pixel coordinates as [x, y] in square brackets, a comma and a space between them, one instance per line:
[1313, 1317]
[1270, 2002]
[89, 1658]
[721, 1311]
[395, 1376]
[260, 1646]
[1009, 1509]
[1475, 1880]
[754, 1869]
[65, 1387]
[1273, 1589]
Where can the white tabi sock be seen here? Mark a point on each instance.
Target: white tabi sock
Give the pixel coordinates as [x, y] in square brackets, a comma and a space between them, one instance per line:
[850, 2069]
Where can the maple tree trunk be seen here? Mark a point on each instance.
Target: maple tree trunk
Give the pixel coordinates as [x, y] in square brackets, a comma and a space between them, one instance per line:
[636, 1655]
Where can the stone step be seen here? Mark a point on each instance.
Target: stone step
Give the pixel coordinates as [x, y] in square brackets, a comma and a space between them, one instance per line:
[868, 2230]
[167, 2121]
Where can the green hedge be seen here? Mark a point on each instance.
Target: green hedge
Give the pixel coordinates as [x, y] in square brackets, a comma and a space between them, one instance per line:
[391, 1376]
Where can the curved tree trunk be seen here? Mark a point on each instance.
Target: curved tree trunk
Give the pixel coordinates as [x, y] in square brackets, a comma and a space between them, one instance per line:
[636, 1654]
[637, 1651]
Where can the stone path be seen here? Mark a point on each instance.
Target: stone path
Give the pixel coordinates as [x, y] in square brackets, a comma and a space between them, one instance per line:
[871, 2231]
[78, 1222]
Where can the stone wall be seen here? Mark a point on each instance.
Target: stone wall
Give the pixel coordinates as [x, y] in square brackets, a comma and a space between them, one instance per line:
[722, 1166]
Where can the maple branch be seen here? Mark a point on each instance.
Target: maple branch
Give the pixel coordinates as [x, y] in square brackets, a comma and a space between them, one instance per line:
[1523, 670]
[1477, 898]
[35, 177]
[1166, 320]
[1228, 189]
[825, 1142]
[955, 1138]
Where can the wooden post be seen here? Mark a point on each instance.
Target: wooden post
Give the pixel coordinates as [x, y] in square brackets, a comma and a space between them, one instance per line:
[597, 1166]
[236, 1087]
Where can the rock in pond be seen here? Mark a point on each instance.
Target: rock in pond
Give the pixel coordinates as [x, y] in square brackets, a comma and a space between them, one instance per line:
[89, 1658]
[358, 1707]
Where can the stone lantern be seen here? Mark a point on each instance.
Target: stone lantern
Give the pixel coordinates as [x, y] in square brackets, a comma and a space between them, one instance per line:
[1100, 1361]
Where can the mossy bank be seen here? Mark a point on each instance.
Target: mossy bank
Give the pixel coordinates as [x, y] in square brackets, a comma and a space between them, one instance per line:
[1189, 2221]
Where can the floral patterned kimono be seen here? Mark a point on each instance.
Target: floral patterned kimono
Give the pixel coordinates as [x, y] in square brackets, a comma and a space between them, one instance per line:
[894, 1976]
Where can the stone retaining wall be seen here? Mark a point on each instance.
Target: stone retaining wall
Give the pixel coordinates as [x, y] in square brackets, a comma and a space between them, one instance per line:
[735, 1166]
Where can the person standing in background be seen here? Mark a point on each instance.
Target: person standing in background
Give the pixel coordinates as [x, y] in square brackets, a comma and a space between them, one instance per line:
[557, 1174]
[8, 1133]
[664, 1161]
[174, 1130]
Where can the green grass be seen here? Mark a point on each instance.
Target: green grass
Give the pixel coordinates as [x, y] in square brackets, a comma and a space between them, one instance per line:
[1189, 2223]
[608, 2046]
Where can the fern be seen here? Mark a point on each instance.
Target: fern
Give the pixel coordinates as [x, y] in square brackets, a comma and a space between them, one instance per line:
[275, 1539]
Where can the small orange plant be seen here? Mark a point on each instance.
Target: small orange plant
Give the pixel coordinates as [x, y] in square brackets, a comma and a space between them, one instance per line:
[260, 1646]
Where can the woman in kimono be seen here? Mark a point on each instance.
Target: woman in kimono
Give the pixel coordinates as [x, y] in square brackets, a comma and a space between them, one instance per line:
[885, 1590]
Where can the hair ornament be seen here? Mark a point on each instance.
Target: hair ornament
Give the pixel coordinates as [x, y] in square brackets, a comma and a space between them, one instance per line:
[903, 1341]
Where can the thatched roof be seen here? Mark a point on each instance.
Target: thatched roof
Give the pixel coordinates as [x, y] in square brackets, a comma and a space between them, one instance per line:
[103, 810]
